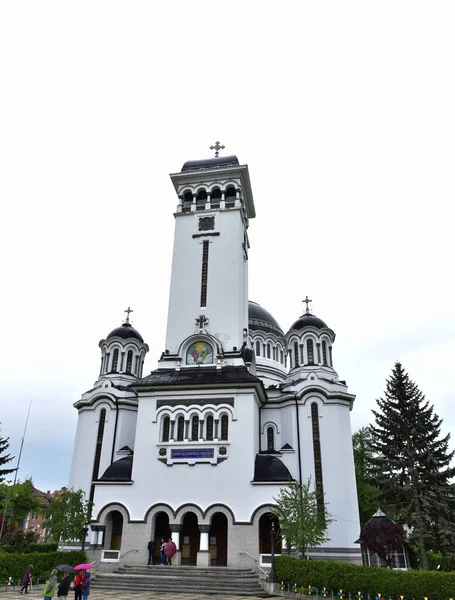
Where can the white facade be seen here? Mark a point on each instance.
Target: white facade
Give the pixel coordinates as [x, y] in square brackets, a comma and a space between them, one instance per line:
[201, 446]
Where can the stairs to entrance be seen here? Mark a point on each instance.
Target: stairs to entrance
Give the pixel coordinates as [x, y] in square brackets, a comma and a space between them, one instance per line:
[180, 580]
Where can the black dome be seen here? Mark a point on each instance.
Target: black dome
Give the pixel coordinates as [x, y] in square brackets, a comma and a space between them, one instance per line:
[259, 318]
[120, 470]
[270, 468]
[210, 163]
[308, 320]
[126, 331]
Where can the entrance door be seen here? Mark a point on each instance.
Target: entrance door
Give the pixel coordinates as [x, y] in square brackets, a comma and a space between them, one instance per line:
[117, 528]
[162, 532]
[265, 526]
[218, 539]
[189, 539]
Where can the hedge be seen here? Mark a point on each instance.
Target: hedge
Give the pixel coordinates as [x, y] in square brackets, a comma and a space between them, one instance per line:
[38, 547]
[14, 565]
[336, 576]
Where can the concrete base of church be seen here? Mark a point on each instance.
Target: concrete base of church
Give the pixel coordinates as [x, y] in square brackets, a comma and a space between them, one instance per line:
[177, 558]
[203, 558]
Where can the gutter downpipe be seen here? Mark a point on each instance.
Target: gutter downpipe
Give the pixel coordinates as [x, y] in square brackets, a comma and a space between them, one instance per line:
[298, 436]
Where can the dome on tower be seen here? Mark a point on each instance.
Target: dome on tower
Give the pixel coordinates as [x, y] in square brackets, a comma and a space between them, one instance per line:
[260, 318]
[309, 320]
[125, 331]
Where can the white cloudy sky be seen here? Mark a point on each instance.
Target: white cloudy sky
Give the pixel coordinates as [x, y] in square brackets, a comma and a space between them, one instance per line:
[344, 112]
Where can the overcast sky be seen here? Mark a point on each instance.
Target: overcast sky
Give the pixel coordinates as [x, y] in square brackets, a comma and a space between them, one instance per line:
[344, 113]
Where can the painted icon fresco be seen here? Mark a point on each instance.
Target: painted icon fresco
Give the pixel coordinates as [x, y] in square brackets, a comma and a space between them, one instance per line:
[199, 353]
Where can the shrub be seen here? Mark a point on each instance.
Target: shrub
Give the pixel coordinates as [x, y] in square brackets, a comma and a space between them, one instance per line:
[14, 565]
[369, 580]
[43, 547]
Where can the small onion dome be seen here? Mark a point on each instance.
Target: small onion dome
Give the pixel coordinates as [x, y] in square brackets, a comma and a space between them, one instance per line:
[125, 331]
[120, 470]
[309, 320]
[259, 318]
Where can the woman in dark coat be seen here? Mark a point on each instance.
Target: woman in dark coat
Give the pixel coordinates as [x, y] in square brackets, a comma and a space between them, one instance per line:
[26, 579]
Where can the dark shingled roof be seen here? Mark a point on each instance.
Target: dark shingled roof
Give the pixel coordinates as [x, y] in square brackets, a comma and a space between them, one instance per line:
[270, 468]
[120, 470]
[210, 163]
[308, 321]
[126, 331]
[260, 318]
[198, 376]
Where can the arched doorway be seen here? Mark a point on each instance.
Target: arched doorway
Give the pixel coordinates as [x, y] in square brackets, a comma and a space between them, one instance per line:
[218, 539]
[162, 532]
[265, 526]
[189, 539]
[114, 529]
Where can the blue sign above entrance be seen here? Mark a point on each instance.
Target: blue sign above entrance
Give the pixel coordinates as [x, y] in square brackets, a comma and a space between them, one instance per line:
[193, 453]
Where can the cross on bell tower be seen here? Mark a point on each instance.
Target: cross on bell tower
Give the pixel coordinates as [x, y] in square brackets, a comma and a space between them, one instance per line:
[217, 148]
[307, 302]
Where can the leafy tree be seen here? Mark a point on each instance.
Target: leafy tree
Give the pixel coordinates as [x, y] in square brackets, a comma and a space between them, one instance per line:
[411, 463]
[4, 458]
[368, 494]
[16, 540]
[303, 521]
[383, 536]
[17, 501]
[67, 514]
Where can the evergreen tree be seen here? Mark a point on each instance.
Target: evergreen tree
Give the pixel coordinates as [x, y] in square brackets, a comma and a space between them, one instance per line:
[411, 463]
[4, 458]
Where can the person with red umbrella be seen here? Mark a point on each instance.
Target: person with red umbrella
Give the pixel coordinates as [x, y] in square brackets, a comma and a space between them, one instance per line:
[169, 550]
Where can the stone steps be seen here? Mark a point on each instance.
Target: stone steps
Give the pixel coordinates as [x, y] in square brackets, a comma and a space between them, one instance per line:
[181, 579]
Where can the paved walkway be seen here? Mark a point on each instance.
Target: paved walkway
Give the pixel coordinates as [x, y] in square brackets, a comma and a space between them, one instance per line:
[101, 594]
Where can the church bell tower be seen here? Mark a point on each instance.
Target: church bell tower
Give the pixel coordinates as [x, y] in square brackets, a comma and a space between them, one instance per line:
[209, 279]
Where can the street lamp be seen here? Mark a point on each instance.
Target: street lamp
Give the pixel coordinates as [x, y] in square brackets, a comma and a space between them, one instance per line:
[84, 535]
[272, 576]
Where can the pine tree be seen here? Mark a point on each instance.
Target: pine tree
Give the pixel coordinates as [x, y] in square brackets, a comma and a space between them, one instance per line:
[4, 458]
[411, 462]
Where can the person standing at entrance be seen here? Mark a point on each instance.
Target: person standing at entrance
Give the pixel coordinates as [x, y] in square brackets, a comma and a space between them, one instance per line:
[169, 550]
[162, 557]
[151, 548]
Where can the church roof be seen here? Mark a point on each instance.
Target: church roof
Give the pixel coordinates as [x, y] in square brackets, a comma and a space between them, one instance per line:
[198, 376]
[308, 320]
[270, 468]
[125, 331]
[210, 163]
[120, 470]
[260, 319]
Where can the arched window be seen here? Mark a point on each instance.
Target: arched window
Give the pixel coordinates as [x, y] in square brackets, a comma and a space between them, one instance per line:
[281, 356]
[201, 199]
[99, 444]
[209, 428]
[224, 428]
[310, 351]
[296, 354]
[166, 428]
[129, 361]
[180, 429]
[270, 438]
[317, 458]
[187, 201]
[215, 198]
[258, 348]
[230, 197]
[269, 347]
[194, 429]
[324, 352]
[114, 361]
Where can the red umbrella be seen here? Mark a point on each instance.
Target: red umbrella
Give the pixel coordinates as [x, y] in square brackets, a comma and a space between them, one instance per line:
[170, 549]
[83, 567]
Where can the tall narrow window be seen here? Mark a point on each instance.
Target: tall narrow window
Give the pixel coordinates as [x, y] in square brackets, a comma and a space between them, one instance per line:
[296, 354]
[258, 348]
[180, 429]
[324, 352]
[205, 269]
[166, 427]
[114, 361]
[216, 197]
[270, 438]
[317, 458]
[99, 444]
[209, 430]
[129, 361]
[194, 429]
[136, 366]
[224, 427]
[201, 200]
[187, 201]
[310, 351]
[268, 350]
[281, 357]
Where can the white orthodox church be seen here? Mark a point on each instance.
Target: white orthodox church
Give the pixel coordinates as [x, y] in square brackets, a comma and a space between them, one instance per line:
[199, 447]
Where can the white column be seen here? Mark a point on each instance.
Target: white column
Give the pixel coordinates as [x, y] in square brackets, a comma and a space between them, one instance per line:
[176, 538]
[204, 541]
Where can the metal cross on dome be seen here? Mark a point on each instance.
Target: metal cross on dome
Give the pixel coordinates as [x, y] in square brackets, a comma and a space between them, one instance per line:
[217, 148]
[201, 321]
[307, 301]
[128, 311]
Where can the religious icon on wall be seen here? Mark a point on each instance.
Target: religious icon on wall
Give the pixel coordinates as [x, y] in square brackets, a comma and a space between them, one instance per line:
[199, 353]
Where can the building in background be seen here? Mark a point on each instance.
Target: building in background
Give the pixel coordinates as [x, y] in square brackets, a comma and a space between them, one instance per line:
[237, 408]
